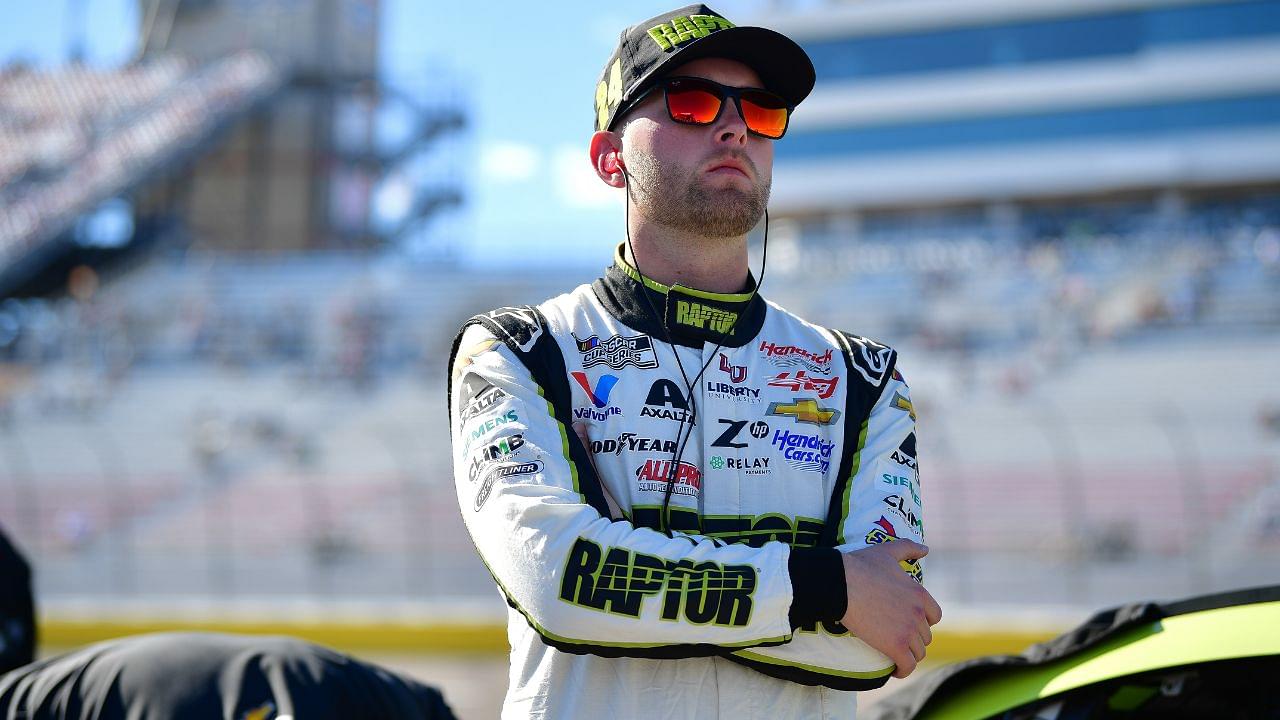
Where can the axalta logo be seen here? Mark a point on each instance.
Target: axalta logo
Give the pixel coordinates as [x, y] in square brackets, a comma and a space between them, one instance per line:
[631, 442]
[704, 317]
[800, 382]
[737, 373]
[792, 356]
[617, 351]
[599, 395]
[666, 401]
[810, 453]
[654, 475]
[616, 580]
[805, 410]
[883, 533]
[683, 28]
[482, 402]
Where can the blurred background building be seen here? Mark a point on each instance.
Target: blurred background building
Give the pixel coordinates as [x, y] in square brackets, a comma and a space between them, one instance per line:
[229, 277]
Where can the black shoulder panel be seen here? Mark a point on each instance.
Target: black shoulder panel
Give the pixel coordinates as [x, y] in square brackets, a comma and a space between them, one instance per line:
[868, 367]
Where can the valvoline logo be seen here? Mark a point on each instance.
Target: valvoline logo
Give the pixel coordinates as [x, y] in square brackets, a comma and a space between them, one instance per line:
[599, 395]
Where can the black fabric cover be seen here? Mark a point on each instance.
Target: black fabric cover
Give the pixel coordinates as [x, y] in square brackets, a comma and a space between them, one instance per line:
[17, 608]
[209, 676]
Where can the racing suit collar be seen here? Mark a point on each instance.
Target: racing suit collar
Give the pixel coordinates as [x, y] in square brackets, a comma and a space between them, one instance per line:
[692, 316]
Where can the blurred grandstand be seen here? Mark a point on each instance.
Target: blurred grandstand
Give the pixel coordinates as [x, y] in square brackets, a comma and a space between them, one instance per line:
[1084, 282]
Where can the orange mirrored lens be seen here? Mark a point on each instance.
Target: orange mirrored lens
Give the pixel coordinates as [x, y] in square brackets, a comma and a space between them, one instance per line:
[764, 113]
[692, 104]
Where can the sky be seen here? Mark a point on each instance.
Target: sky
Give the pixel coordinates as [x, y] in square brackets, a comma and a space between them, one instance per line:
[529, 70]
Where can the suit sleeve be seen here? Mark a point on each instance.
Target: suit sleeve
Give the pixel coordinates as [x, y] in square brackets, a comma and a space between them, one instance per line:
[585, 582]
[878, 501]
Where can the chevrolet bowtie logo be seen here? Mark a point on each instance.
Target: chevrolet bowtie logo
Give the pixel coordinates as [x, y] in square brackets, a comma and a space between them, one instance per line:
[902, 403]
[805, 410]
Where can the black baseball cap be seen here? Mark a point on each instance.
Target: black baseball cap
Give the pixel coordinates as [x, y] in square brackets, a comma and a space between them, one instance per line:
[647, 49]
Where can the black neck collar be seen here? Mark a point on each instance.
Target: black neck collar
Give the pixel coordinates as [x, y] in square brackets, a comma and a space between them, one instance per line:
[692, 316]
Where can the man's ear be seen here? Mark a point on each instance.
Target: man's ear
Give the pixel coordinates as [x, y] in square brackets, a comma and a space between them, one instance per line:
[606, 158]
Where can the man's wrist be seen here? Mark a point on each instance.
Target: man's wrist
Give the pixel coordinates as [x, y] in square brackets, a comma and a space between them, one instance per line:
[818, 591]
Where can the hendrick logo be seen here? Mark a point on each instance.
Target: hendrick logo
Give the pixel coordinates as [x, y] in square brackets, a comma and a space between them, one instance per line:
[704, 317]
[800, 382]
[683, 28]
[617, 351]
[792, 356]
[809, 453]
[654, 475]
[805, 410]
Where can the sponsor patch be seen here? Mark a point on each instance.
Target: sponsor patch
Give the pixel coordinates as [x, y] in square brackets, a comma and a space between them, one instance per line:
[792, 356]
[487, 426]
[618, 351]
[683, 28]
[801, 382]
[598, 395]
[654, 475]
[805, 410]
[901, 481]
[631, 442]
[747, 466]
[502, 449]
[808, 453]
[666, 401]
[482, 402]
[736, 393]
[737, 373]
[503, 472]
[704, 317]
[468, 355]
[883, 533]
[898, 505]
[901, 402]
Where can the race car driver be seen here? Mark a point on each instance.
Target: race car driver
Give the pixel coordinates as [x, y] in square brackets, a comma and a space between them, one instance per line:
[695, 503]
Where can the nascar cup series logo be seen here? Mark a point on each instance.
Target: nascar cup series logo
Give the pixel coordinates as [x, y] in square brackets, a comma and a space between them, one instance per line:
[618, 351]
[809, 453]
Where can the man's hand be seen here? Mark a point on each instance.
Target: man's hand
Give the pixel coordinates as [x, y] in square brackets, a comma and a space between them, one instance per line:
[887, 609]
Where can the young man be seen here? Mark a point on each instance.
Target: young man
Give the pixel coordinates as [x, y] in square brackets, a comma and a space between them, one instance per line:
[726, 535]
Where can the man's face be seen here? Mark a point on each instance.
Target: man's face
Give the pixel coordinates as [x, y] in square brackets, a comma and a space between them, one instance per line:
[709, 180]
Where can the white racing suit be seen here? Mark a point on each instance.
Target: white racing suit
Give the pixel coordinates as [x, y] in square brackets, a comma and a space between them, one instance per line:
[802, 441]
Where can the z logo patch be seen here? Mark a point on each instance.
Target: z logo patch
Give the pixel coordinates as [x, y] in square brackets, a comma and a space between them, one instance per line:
[529, 327]
[870, 358]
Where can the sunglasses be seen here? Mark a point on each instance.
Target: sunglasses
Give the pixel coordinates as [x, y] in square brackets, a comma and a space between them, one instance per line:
[698, 101]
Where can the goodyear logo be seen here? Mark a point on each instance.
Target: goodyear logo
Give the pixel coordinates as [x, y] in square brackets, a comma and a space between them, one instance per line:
[683, 28]
[704, 317]
[618, 581]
